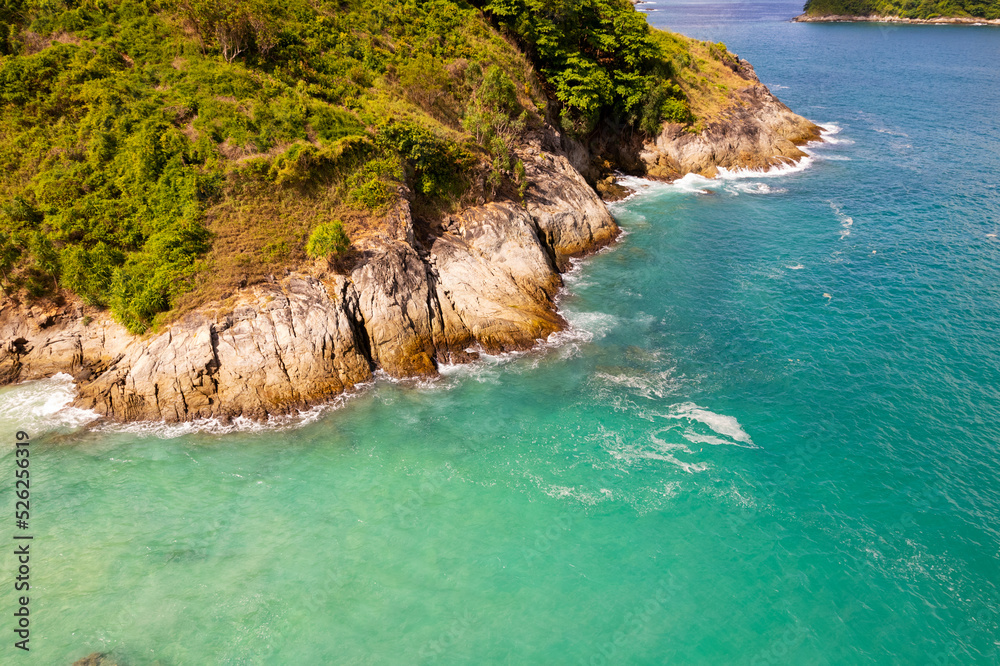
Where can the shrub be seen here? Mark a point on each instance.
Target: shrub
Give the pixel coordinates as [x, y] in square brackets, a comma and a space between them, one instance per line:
[237, 26]
[665, 102]
[328, 239]
[434, 162]
[521, 178]
[295, 165]
[718, 51]
[424, 80]
[494, 120]
[676, 111]
[331, 123]
[497, 92]
[373, 185]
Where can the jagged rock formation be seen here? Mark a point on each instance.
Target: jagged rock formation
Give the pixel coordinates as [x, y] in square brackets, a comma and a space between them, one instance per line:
[484, 278]
[757, 131]
[752, 130]
[423, 293]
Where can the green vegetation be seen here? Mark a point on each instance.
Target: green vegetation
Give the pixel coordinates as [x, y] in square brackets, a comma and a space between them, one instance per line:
[599, 56]
[327, 240]
[913, 9]
[157, 154]
[496, 120]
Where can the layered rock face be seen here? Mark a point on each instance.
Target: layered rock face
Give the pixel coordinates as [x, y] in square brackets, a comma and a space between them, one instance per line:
[482, 279]
[423, 293]
[757, 131]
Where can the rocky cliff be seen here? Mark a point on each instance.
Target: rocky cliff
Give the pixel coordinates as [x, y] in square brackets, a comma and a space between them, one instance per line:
[438, 291]
[755, 131]
[424, 293]
[750, 129]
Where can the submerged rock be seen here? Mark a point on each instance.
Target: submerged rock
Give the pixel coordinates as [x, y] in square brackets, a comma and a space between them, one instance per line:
[610, 190]
[95, 659]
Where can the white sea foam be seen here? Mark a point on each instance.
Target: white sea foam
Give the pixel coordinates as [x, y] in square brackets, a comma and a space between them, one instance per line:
[41, 406]
[568, 493]
[213, 426]
[795, 267]
[645, 187]
[721, 424]
[585, 327]
[883, 130]
[627, 452]
[757, 188]
[699, 438]
[651, 385]
[846, 222]
[693, 183]
[462, 369]
[829, 133]
[632, 455]
[783, 169]
[665, 452]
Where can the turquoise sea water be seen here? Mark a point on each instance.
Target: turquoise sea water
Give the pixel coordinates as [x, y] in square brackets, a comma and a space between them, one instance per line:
[772, 436]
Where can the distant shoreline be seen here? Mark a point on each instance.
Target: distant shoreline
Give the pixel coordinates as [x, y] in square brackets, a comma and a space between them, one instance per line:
[941, 20]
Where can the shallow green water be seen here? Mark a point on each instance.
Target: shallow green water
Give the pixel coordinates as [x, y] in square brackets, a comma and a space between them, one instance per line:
[771, 436]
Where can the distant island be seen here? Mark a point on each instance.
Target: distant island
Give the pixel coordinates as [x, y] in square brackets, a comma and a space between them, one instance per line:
[902, 11]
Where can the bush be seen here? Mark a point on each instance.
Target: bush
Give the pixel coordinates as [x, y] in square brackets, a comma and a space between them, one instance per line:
[718, 51]
[373, 186]
[424, 80]
[676, 111]
[497, 92]
[331, 123]
[434, 162]
[494, 120]
[665, 103]
[295, 165]
[236, 26]
[327, 240]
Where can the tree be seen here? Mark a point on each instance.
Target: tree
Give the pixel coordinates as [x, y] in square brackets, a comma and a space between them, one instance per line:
[598, 55]
[237, 26]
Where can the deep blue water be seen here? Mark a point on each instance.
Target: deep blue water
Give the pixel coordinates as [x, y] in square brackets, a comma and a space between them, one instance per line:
[772, 437]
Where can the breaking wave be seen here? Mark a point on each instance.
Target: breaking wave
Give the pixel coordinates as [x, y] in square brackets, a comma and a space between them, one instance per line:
[42, 405]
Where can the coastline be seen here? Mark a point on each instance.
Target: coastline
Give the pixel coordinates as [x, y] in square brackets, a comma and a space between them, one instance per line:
[484, 280]
[769, 431]
[942, 20]
[66, 410]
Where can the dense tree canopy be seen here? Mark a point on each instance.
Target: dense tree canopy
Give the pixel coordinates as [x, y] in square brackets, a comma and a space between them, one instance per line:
[599, 56]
